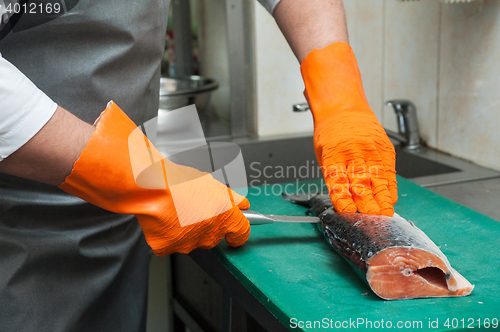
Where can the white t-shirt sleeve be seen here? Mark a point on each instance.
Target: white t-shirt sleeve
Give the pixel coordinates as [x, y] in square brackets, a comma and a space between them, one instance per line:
[268, 4]
[6, 11]
[24, 109]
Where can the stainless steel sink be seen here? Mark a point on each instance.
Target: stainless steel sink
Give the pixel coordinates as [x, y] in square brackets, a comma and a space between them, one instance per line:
[430, 168]
[279, 160]
[411, 165]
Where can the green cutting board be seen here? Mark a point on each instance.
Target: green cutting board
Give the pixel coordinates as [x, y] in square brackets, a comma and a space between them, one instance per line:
[295, 273]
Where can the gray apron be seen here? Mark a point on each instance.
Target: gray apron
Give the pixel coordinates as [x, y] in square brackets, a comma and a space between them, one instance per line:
[66, 265]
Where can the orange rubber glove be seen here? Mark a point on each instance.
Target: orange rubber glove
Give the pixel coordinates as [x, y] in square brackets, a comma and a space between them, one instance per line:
[356, 156]
[204, 212]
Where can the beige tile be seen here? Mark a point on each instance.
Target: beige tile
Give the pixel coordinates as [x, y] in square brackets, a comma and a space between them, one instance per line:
[411, 61]
[365, 22]
[278, 81]
[469, 98]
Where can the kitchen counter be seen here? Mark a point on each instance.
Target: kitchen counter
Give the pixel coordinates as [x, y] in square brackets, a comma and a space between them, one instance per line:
[481, 196]
[271, 280]
[297, 277]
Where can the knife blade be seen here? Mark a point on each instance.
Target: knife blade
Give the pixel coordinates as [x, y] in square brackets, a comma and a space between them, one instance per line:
[256, 218]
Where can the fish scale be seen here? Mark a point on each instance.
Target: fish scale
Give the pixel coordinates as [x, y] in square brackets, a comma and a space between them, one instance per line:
[389, 253]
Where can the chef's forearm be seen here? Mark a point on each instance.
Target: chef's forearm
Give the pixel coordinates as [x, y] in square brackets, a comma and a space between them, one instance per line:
[49, 155]
[310, 24]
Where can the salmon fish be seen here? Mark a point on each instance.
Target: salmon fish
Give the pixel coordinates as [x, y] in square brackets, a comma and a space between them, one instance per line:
[395, 258]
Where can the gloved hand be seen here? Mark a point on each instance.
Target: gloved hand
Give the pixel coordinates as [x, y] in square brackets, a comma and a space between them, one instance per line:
[356, 156]
[188, 210]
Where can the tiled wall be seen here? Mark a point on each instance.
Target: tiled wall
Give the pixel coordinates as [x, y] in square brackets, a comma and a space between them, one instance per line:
[278, 83]
[411, 39]
[443, 57]
[469, 82]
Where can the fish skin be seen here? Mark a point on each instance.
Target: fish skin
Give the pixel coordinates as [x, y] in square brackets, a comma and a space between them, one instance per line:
[386, 251]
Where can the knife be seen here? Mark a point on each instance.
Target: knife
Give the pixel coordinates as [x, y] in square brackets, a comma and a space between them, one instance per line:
[256, 218]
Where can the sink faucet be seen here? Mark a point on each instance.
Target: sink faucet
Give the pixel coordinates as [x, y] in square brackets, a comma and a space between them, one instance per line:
[406, 113]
